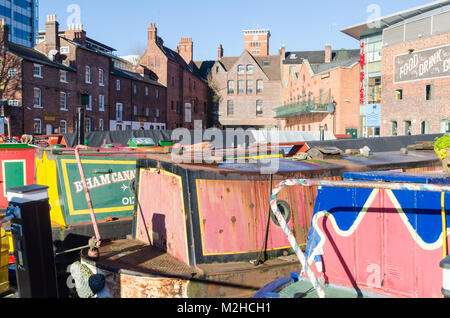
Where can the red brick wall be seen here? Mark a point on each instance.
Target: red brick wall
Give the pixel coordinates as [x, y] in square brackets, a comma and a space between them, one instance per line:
[344, 86]
[413, 107]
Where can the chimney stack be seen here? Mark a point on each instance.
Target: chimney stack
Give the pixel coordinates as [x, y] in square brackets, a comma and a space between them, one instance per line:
[186, 50]
[220, 51]
[76, 33]
[51, 34]
[152, 33]
[328, 53]
[4, 33]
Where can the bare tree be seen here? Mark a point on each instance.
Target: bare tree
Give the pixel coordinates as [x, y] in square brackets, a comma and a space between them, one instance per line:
[10, 82]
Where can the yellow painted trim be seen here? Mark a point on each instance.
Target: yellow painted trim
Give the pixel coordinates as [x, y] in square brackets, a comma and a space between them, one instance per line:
[153, 170]
[72, 211]
[203, 235]
[46, 174]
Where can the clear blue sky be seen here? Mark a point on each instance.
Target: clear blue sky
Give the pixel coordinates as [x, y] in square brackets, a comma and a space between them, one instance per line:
[299, 24]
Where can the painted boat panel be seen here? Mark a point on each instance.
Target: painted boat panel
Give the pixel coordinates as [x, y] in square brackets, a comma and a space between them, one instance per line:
[161, 213]
[383, 240]
[17, 169]
[109, 181]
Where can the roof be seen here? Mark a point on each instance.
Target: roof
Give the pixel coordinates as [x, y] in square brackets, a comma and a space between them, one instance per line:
[367, 27]
[272, 70]
[34, 56]
[176, 58]
[422, 16]
[204, 67]
[135, 77]
[318, 57]
[320, 68]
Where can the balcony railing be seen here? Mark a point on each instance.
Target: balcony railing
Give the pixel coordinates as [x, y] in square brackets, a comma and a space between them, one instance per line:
[301, 108]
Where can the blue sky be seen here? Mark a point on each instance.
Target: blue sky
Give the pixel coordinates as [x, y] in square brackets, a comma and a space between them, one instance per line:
[299, 24]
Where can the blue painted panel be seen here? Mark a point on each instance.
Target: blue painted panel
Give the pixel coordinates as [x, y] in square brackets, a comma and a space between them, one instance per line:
[410, 177]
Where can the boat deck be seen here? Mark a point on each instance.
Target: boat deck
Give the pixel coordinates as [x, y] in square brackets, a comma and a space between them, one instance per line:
[237, 279]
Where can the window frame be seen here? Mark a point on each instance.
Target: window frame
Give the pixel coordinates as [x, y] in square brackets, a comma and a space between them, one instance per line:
[87, 75]
[61, 106]
[40, 97]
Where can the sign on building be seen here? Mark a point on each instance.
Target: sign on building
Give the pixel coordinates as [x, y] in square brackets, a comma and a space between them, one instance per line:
[373, 115]
[421, 65]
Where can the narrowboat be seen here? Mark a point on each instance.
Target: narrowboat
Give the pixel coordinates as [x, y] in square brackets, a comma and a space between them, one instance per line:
[205, 231]
[378, 234]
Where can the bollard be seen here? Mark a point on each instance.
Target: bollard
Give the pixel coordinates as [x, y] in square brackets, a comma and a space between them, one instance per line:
[29, 212]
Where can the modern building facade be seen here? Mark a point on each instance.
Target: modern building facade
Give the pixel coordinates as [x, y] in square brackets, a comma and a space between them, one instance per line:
[22, 19]
[416, 75]
[370, 36]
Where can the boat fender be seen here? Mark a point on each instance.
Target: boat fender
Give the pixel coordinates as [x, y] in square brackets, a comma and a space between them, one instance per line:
[87, 284]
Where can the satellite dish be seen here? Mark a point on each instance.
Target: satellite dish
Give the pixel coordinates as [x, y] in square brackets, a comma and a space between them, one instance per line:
[52, 54]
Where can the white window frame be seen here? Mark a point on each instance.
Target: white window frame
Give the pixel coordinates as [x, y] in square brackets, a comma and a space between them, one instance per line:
[40, 126]
[61, 105]
[101, 102]
[40, 98]
[13, 102]
[37, 67]
[89, 106]
[65, 127]
[101, 77]
[87, 75]
[119, 111]
[63, 76]
[88, 124]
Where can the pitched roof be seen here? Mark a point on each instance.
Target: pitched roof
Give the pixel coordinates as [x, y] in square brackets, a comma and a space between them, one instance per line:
[176, 58]
[317, 57]
[204, 67]
[135, 77]
[269, 64]
[34, 56]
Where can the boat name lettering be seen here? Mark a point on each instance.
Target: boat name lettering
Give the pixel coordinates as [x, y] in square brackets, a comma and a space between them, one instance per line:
[107, 179]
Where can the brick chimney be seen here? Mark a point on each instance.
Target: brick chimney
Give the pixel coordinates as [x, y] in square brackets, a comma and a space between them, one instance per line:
[51, 34]
[220, 51]
[152, 33]
[4, 33]
[328, 53]
[186, 49]
[76, 33]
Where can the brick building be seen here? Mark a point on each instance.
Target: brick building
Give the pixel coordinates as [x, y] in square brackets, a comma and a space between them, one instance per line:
[68, 70]
[187, 91]
[248, 86]
[32, 84]
[320, 91]
[416, 75]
